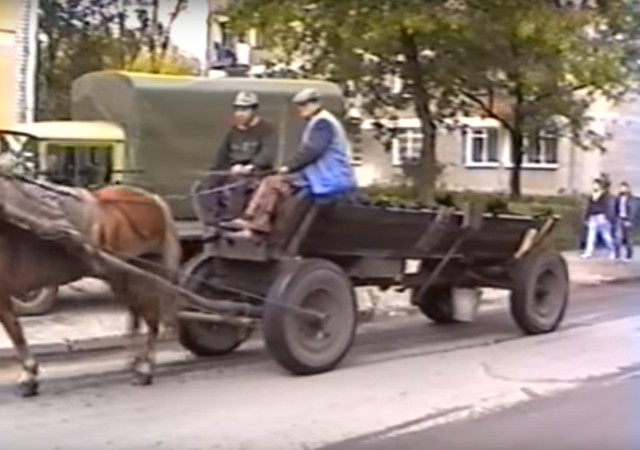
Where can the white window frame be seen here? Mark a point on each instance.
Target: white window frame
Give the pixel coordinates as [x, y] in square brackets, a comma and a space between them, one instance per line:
[543, 164]
[414, 134]
[471, 132]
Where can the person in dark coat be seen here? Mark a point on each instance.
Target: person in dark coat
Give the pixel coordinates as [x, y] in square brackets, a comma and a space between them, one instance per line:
[599, 219]
[625, 212]
[249, 147]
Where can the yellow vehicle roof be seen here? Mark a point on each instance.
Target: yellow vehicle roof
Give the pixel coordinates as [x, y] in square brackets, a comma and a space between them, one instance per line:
[68, 131]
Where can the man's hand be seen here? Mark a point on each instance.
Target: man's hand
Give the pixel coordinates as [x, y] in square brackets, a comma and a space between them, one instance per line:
[283, 170]
[240, 169]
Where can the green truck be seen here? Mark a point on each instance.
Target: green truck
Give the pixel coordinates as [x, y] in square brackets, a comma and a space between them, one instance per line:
[158, 132]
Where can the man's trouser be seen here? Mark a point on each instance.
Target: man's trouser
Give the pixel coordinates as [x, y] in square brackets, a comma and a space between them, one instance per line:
[624, 238]
[223, 197]
[271, 192]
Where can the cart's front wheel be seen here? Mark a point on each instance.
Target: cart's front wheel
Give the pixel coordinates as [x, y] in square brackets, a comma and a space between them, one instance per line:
[540, 292]
[203, 338]
[310, 317]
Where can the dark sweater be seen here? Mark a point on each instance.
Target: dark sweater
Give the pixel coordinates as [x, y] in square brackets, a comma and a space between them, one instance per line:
[601, 205]
[256, 145]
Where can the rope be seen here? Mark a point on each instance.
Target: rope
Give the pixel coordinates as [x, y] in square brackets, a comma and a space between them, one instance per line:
[205, 192]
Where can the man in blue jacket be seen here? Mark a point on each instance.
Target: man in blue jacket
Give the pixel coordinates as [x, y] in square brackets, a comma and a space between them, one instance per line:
[322, 168]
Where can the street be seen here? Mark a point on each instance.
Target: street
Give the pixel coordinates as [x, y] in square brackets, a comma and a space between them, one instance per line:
[601, 416]
[404, 376]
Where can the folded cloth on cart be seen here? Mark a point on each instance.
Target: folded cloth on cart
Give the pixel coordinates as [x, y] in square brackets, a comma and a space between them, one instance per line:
[48, 211]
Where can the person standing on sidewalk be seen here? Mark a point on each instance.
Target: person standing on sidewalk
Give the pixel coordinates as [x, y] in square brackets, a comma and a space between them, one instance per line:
[599, 220]
[625, 209]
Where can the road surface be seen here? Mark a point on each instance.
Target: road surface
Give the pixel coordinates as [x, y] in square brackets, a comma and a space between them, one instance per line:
[602, 416]
[403, 376]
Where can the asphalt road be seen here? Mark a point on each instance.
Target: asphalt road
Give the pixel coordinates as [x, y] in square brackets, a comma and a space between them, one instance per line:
[604, 416]
[404, 376]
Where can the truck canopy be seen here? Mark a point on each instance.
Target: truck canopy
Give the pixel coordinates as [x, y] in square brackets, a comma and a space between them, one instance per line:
[175, 125]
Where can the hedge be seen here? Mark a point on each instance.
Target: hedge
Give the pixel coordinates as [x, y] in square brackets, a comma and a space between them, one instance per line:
[570, 209]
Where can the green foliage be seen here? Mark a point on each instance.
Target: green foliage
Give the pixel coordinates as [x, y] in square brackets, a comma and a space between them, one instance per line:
[78, 36]
[569, 209]
[542, 60]
[545, 62]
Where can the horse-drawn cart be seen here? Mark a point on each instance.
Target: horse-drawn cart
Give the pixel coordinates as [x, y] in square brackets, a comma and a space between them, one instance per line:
[300, 281]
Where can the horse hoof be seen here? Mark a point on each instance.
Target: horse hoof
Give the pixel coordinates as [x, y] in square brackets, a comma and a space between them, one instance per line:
[142, 379]
[27, 390]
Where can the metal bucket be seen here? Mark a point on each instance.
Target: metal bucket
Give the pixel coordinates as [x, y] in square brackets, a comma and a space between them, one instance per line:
[465, 304]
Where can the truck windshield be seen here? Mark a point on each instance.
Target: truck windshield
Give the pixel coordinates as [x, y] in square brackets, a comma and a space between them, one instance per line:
[79, 165]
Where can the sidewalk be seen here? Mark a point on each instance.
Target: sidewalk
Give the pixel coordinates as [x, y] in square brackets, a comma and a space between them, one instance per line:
[87, 320]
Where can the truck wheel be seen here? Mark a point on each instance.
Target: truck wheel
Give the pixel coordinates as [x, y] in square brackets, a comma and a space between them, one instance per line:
[437, 305]
[201, 338]
[306, 345]
[540, 292]
[37, 302]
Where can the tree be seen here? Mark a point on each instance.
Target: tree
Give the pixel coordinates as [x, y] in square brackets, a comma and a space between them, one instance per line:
[172, 63]
[543, 60]
[77, 37]
[368, 43]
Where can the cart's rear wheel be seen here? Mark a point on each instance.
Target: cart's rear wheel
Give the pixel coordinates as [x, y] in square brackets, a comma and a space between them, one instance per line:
[437, 305]
[36, 302]
[302, 344]
[203, 338]
[540, 292]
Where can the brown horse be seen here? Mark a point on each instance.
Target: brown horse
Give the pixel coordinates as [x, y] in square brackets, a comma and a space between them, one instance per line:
[129, 223]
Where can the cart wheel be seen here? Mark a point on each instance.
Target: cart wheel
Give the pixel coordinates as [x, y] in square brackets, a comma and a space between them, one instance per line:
[437, 305]
[540, 292]
[302, 344]
[36, 302]
[202, 338]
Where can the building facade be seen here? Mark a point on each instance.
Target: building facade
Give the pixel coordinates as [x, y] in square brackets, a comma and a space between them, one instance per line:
[18, 47]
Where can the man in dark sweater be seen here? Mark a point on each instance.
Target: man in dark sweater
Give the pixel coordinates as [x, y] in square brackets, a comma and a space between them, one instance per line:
[250, 146]
[599, 220]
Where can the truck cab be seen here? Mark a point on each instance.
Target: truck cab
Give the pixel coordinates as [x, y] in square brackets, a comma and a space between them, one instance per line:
[70, 153]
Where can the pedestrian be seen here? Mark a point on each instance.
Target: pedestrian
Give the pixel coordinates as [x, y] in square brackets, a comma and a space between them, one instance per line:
[249, 147]
[599, 220]
[625, 212]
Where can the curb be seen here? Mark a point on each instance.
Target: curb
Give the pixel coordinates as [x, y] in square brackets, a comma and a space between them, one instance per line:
[118, 342]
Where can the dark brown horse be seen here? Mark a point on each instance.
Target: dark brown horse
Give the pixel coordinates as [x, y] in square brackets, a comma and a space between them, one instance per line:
[126, 222]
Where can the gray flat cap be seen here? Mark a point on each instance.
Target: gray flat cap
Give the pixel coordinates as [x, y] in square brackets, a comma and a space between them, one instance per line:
[246, 99]
[306, 95]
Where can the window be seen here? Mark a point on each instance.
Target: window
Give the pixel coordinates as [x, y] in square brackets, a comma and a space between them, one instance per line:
[407, 146]
[481, 147]
[83, 166]
[542, 151]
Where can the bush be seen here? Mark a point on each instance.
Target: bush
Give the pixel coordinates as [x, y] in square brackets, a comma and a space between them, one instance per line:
[570, 209]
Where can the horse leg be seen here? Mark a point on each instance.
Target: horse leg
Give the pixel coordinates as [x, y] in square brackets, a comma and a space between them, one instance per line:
[142, 306]
[28, 381]
[143, 372]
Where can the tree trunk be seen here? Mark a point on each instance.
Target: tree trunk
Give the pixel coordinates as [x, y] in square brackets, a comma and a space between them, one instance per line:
[515, 180]
[427, 174]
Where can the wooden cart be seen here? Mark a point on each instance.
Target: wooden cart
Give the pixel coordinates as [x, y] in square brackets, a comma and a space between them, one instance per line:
[300, 282]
